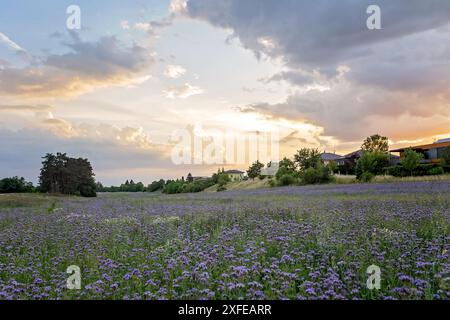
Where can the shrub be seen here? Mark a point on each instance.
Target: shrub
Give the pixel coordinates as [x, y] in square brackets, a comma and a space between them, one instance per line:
[397, 171]
[436, 171]
[346, 168]
[15, 185]
[421, 170]
[221, 188]
[173, 187]
[321, 174]
[284, 171]
[411, 161]
[372, 162]
[223, 179]
[366, 177]
[446, 156]
[88, 191]
[155, 186]
[287, 179]
[272, 183]
[310, 176]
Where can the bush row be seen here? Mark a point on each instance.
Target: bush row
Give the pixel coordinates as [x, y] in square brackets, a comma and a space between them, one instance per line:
[421, 170]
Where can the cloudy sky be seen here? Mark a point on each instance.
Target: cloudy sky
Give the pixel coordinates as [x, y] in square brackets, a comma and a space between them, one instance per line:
[116, 90]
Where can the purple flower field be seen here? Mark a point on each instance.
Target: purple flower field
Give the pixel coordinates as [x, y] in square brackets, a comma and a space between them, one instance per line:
[312, 242]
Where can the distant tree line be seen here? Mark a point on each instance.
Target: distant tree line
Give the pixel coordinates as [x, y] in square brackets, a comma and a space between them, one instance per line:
[59, 174]
[191, 185]
[188, 185]
[16, 185]
[128, 186]
[74, 176]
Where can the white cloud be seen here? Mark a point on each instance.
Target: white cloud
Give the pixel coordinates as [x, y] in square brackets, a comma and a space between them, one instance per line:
[6, 40]
[125, 25]
[143, 26]
[178, 6]
[174, 71]
[182, 92]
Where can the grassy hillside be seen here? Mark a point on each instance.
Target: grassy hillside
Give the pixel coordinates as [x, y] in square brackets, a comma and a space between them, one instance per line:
[243, 185]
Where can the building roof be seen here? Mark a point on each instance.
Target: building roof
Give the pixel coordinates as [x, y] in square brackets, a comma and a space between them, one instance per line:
[326, 156]
[357, 153]
[234, 172]
[426, 146]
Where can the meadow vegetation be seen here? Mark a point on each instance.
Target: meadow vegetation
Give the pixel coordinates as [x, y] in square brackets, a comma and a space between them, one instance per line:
[310, 242]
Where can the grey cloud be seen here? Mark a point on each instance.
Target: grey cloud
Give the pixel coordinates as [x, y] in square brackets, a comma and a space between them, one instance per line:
[106, 57]
[395, 79]
[347, 112]
[87, 66]
[320, 32]
[410, 52]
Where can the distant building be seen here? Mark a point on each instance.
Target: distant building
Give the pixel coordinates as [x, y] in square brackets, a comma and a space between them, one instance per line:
[270, 170]
[329, 157]
[432, 153]
[352, 158]
[235, 175]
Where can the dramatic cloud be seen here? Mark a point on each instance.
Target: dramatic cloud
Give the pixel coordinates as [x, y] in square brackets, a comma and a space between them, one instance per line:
[88, 66]
[182, 92]
[348, 111]
[317, 33]
[348, 79]
[174, 71]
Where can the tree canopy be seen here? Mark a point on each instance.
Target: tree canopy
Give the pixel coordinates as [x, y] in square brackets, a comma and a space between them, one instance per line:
[307, 158]
[411, 160]
[65, 175]
[376, 143]
[15, 185]
[255, 169]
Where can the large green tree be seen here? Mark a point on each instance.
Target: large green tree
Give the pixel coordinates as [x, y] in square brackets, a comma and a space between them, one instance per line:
[376, 143]
[62, 174]
[308, 158]
[254, 170]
